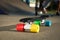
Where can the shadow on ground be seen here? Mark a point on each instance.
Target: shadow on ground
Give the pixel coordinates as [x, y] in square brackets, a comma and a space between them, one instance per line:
[8, 28]
[15, 10]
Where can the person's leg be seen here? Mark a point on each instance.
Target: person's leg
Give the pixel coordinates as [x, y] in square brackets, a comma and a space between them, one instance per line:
[40, 9]
[58, 8]
[45, 4]
[36, 8]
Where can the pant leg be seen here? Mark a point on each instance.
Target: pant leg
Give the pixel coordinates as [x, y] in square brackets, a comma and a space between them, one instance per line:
[46, 3]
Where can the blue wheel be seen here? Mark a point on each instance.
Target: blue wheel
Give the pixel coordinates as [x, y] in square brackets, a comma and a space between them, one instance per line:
[48, 23]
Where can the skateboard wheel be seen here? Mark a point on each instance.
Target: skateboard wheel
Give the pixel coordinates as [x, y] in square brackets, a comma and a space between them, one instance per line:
[27, 27]
[20, 27]
[48, 23]
[34, 28]
[38, 22]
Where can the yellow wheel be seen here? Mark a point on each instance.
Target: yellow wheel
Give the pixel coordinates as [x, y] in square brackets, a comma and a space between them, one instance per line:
[34, 28]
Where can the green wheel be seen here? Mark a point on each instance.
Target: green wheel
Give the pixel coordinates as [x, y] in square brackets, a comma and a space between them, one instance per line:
[38, 22]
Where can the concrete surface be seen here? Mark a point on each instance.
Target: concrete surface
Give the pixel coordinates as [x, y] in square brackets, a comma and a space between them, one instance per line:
[8, 23]
[8, 30]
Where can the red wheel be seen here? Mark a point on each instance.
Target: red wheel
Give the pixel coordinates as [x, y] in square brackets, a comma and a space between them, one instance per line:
[20, 27]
